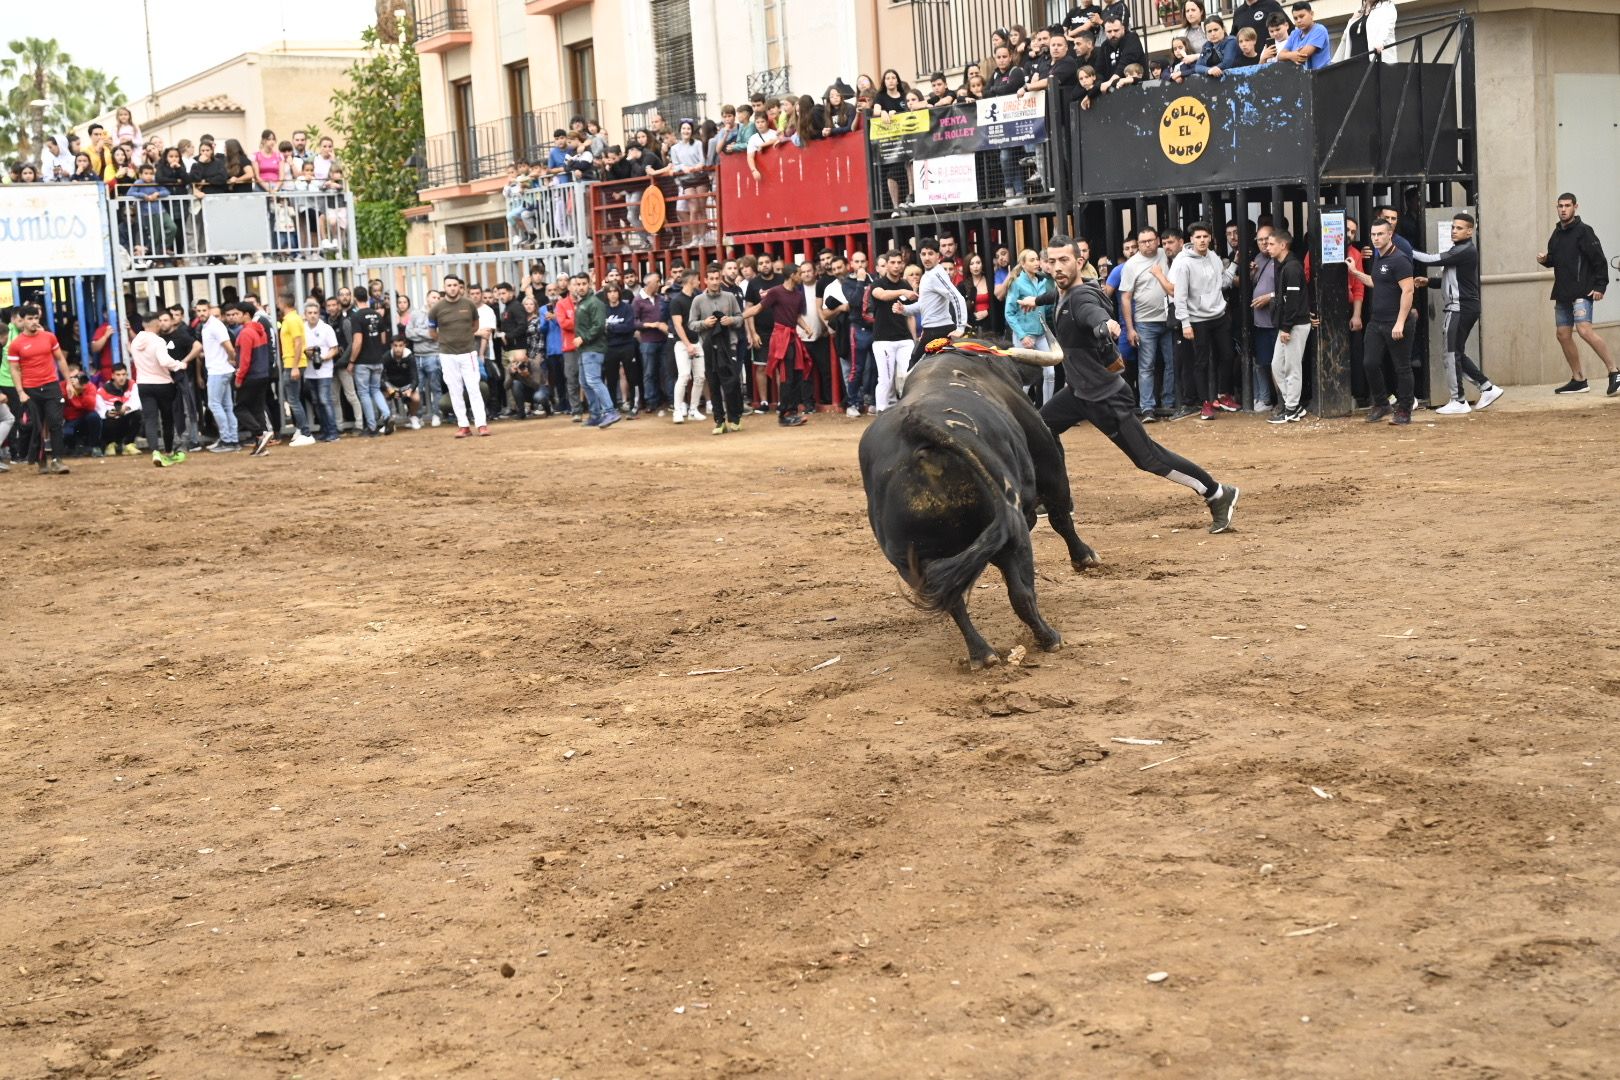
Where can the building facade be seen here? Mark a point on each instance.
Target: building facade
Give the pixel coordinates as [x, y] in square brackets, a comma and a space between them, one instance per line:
[499, 76]
[283, 86]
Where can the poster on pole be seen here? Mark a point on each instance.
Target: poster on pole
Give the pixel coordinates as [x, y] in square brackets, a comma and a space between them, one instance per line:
[944, 181]
[1333, 237]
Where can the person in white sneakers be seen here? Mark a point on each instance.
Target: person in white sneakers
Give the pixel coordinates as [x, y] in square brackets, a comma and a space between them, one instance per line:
[689, 373]
[455, 324]
[1460, 288]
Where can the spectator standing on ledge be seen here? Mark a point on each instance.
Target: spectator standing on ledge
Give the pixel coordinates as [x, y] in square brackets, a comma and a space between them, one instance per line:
[38, 369]
[1387, 324]
[1460, 289]
[455, 326]
[1370, 33]
[1308, 44]
[1008, 78]
[1580, 277]
[1120, 50]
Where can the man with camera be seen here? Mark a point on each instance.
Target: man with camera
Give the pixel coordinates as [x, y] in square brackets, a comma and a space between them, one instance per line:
[81, 423]
[320, 350]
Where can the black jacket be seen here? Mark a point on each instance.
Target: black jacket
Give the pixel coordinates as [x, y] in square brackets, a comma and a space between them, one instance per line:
[1080, 322]
[1290, 302]
[1462, 261]
[1577, 262]
[1113, 57]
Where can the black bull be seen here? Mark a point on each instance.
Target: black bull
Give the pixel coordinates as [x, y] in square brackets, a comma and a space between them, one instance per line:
[954, 475]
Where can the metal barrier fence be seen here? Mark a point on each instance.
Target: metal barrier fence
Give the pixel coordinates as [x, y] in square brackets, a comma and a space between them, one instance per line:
[557, 216]
[689, 229]
[415, 276]
[190, 229]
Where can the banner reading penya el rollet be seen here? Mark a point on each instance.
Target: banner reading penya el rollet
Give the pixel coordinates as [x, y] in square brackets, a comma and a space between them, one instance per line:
[996, 123]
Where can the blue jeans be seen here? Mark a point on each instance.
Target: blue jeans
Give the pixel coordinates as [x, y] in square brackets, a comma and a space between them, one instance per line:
[1156, 344]
[222, 403]
[596, 391]
[861, 366]
[1013, 172]
[368, 384]
[292, 393]
[1573, 313]
[325, 406]
[1265, 343]
[429, 380]
[652, 374]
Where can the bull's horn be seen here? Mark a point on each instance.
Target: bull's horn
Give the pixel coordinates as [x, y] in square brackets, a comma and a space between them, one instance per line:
[1051, 358]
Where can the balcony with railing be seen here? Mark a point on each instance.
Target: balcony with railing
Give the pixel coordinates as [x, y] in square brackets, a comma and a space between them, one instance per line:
[772, 82]
[481, 152]
[541, 218]
[259, 226]
[442, 25]
[671, 109]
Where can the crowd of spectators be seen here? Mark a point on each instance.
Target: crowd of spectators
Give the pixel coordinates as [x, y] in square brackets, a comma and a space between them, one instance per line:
[161, 187]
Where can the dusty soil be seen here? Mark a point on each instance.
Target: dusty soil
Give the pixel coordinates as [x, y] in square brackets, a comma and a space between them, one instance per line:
[393, 759]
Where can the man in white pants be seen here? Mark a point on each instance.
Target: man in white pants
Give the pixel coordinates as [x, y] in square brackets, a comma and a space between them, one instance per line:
[689, 373]
[455, 326]
[892, 344]
[1291, 315]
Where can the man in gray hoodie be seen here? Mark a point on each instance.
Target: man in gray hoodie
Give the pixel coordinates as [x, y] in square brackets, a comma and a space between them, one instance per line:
[1199, 276]
[425, 349]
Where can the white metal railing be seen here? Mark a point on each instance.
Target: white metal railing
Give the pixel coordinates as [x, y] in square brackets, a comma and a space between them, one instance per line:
[283, 226]
[556, 216]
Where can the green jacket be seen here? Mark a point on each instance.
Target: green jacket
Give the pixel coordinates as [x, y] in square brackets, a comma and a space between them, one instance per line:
[590, 323]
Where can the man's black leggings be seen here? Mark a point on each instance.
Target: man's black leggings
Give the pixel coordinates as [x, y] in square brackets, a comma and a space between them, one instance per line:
[1115, 416]
[157, 412]
[45, 405]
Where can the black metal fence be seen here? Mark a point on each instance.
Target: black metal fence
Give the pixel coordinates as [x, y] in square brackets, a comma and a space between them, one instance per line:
[440, 17]
[772, 82]
[672, 109]
[950, 34]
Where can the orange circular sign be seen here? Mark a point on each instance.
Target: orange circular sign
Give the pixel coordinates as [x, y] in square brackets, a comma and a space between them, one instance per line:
[652, 209]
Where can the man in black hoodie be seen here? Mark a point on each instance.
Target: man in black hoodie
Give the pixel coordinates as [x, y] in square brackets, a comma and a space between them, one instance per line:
[1119, 50]
[1580, 277]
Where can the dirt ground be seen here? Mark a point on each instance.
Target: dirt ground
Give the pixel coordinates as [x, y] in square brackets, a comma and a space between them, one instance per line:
[399, 759]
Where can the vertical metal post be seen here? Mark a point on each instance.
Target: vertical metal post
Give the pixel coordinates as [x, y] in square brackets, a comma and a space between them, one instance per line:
[84, 329]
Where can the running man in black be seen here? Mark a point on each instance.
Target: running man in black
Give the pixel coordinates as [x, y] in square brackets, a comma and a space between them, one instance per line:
[1086, 332]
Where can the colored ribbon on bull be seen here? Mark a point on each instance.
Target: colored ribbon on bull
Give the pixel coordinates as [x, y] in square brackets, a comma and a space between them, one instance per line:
[943, 343]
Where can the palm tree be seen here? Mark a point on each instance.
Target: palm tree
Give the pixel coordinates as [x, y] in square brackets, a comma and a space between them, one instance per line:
[88, 92]
[37, 68]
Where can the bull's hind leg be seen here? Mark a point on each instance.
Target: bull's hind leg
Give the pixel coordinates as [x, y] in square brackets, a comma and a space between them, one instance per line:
[980, 654]
[1017, 566]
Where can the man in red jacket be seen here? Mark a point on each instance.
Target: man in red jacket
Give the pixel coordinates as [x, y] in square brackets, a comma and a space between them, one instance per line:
[81, 424]
[565, 319]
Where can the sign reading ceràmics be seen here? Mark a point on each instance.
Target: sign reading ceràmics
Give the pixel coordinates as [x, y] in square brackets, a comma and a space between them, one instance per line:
[1184, 130]
[53, 227]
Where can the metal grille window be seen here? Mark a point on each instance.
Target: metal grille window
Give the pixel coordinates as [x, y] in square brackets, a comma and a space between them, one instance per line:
[672, 43]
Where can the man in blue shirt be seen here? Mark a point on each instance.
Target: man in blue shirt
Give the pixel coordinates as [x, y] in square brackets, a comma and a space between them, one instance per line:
[1308, 45]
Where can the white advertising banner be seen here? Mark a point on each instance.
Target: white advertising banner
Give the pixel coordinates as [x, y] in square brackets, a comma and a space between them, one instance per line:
[944, 180]
[52, 227]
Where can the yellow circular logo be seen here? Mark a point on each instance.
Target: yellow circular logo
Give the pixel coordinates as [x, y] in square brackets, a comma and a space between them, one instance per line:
[1184, 130]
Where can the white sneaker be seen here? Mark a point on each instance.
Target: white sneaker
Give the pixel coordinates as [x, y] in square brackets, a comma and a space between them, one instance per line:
[415, 424]
[434, 421]
[1488, 396]
[853, 410]
[301, 440]
[1454, 408]
[680, 413]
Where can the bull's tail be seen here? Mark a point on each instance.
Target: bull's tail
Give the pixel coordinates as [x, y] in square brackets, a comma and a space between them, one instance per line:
[937, 583]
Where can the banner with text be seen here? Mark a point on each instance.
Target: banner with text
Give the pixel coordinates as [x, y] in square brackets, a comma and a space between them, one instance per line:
[52, 227]
[997, 123]
[945, 180]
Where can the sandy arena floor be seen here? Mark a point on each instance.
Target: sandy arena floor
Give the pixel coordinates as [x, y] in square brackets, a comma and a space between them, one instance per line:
[398, 759]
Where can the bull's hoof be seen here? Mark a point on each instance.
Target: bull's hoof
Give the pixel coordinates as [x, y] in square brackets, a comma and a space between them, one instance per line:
[1054, 645]
[979, 663]
[1088, 560]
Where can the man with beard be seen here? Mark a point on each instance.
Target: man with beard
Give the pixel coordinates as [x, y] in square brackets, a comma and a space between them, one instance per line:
[1094, 391]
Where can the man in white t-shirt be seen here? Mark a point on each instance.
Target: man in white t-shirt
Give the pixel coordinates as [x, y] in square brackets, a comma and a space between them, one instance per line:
[219, 364]
[320, 349]
[1145, 305]
[489, 365]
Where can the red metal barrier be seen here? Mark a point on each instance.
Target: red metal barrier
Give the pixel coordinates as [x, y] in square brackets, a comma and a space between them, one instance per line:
[689, 236]
[823, 182]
